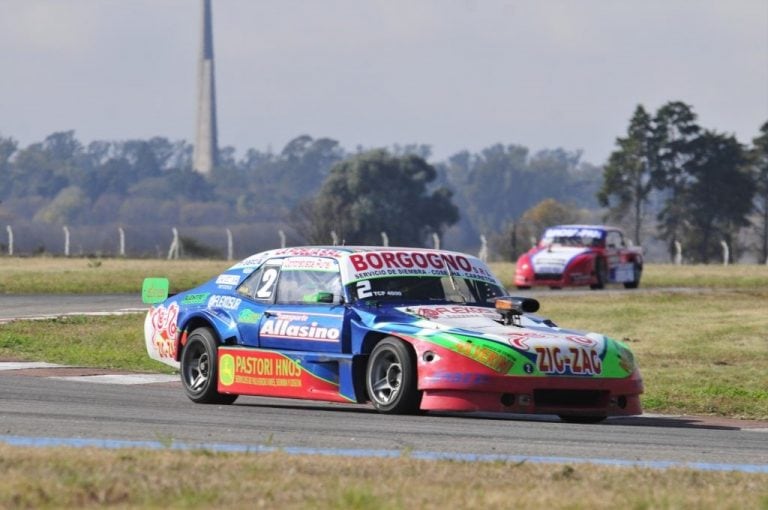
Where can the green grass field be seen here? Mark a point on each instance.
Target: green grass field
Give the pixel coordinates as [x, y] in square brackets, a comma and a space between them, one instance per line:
[700, 335]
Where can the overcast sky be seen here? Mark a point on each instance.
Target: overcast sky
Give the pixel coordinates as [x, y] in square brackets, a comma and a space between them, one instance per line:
[453, 74]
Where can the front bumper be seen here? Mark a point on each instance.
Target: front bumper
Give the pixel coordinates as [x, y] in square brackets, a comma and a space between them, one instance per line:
[554, 280]
[575, 396]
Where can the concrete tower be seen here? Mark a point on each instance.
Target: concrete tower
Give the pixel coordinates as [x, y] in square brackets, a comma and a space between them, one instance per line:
[206, 143]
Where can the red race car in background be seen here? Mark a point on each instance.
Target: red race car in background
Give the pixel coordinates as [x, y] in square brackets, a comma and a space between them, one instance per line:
[575, 255]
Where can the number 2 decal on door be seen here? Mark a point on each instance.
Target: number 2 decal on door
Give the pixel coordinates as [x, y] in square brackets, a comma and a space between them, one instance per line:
[267, 284]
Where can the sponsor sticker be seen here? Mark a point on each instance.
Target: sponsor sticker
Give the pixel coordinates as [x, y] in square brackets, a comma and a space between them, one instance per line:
[451, 312]
[248, 316]
[164, 330]
[225, 302]
[228, 279]
[310, 264]
[259, 369]
[376, 264]
[574, 232]
[195, 299]
[298, 328]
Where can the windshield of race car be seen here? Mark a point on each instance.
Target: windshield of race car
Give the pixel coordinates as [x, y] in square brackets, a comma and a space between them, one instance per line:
[572, 237]
[450, 289]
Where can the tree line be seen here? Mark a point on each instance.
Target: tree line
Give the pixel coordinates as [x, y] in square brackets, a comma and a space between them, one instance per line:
[311, 188]
[668, 179]
[671, 178]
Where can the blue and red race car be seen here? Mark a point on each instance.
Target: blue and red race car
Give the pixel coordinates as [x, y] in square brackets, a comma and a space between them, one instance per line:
[580, 255]
[403, 328]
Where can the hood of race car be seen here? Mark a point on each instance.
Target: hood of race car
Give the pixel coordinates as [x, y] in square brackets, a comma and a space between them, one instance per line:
[534, 347]
[484, 322]
[554, 259]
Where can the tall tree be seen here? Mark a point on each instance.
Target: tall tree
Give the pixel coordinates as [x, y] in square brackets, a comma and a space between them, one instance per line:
[495, 189]
[374, 192]
[759, 160]
[7, 148]
[674, 133]
[628, 175]
[718, 198]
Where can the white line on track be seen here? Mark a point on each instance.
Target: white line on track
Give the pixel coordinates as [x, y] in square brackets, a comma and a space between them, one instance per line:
[124, 311]
[123, 379]
[23, 365]
[126, 379]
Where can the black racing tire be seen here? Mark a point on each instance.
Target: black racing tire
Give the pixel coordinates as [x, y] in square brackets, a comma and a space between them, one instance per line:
[582, 419]
[636, 282]
[601, 271]
[390, 378]
[523, 287]
[199, 369]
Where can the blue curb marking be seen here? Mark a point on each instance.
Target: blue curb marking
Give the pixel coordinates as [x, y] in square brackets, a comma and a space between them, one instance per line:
[112, 444]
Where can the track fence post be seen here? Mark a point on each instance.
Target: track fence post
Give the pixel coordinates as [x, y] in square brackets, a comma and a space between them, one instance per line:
[66, 240]
[173, 250]
[726, 252]
[230, 245]
[10, 240]
[121, 235]
[483, 255]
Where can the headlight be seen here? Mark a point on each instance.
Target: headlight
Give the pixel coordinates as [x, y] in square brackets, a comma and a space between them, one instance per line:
[626, 358]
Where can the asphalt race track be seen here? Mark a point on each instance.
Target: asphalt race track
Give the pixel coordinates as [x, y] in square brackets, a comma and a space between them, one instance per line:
[64, 402]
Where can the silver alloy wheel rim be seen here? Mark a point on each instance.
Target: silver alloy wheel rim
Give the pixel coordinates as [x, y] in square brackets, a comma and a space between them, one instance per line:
[198, 371]
[386, 378]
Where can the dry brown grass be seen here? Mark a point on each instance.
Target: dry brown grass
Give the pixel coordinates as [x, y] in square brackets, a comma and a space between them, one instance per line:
[69, 478]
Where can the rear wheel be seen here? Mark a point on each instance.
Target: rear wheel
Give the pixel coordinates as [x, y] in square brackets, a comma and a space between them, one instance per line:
[390, 378]
[199, 369]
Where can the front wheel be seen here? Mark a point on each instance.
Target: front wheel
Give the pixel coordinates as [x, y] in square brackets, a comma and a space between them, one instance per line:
[199, 370]
[390, 378]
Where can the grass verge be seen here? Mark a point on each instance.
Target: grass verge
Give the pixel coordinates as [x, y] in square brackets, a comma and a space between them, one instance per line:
[53, 275]
[699, 353]
[114, 342]
[58, 275]
[56, 478]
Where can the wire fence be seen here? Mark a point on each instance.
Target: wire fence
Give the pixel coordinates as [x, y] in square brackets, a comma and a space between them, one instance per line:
[143, 241]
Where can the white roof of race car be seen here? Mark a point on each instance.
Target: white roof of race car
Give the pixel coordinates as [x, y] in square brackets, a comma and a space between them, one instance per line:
[360, 262]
